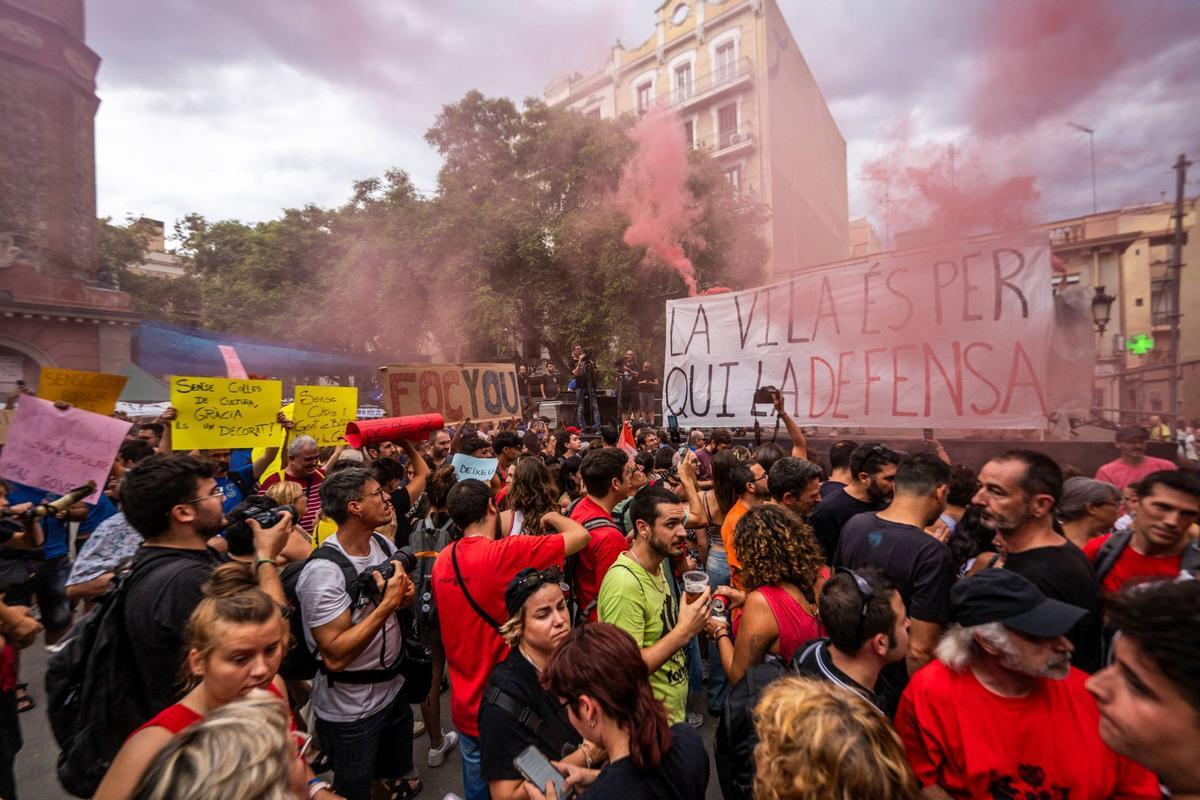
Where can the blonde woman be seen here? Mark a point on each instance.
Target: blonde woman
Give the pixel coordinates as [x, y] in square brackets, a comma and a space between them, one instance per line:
[242, 750]
[817, 741]
[235, 643]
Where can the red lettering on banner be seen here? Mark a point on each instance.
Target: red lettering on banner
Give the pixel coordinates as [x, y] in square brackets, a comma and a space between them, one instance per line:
[837, 389]
[450, 378]
[1021, 357]
[953, 384]
[812, 384]
[971, 368]
[871, 378]
[430, 380]
[897, 379]
[398, 387]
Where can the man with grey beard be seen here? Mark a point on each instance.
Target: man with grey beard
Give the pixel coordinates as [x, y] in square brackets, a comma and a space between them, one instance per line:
[1001, 712]
[1018, 491]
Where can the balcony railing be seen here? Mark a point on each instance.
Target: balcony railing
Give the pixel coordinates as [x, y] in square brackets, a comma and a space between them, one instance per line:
[727, 139]
[703, 87]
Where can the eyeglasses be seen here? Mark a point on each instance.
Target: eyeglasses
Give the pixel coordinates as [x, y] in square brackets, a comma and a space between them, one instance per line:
[865, 590]
[218, 492]
[377, 493]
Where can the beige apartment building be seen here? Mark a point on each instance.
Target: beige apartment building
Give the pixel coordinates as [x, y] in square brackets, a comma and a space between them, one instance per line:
[735, 80]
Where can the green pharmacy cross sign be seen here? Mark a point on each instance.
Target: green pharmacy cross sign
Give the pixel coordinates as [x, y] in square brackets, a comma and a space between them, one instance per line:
[1140, 344]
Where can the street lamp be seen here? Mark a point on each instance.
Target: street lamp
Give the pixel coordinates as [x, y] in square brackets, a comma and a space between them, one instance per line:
[1092, 148]
[1101, 309]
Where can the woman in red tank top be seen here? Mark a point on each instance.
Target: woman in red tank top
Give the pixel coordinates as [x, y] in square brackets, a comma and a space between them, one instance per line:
[782, 572]
[236, 639]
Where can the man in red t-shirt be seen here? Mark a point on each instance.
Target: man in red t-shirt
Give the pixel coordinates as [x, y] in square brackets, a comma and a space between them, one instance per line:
[1168, 503]
[1002, 713]
[469, 580]
[606, 475]
[1134, 464]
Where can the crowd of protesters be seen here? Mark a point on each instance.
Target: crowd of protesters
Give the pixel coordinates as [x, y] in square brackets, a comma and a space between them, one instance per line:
[879, 623]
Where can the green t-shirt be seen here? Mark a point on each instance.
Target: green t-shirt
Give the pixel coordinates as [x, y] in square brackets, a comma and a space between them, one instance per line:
[645, 606]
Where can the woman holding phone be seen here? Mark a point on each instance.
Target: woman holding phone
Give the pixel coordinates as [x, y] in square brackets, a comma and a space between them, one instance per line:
[599, 675]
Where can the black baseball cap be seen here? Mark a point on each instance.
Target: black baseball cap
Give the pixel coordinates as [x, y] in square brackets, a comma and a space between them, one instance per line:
[1132, 433]
[1004, 596]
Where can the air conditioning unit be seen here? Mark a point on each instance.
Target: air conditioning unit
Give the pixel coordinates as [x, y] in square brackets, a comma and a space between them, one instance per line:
[735, 138]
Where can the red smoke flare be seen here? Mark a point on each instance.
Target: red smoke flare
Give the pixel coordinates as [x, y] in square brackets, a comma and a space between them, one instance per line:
[653, 192]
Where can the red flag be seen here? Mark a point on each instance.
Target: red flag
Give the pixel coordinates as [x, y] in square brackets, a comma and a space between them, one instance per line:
[625, 442]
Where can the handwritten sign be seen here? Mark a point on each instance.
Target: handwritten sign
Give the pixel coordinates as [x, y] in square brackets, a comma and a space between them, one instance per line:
[233, 363]
[323, 411]
[953, 336]
[221, 413]
[91, 391]
[55, 450]
[481, 469]
[477, 392]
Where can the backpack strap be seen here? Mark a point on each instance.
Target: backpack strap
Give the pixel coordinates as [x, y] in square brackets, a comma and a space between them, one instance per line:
[1190, 559]
[239, 481]
[462, 585]
[1110, 552]
[327, 552]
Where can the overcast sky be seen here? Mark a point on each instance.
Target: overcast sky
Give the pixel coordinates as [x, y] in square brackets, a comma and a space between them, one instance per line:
[239, 108]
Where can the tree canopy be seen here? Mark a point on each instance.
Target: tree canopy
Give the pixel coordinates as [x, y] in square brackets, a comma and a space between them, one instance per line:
[519, 249]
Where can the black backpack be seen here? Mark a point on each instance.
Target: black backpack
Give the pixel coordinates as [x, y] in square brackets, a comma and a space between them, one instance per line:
[733, 745]
[571, 565]
[427, 539]
[301, 662]
[90, 699]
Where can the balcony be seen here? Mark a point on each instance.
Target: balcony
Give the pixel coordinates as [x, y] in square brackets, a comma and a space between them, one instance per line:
[704, 88]
[728, 142]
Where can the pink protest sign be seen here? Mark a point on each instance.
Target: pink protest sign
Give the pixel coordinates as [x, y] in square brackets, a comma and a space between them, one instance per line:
[233, 363]
[57, 450]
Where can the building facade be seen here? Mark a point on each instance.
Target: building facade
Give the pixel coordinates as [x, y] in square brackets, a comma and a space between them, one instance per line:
[731, 73]
[1128, 252]
[54, 308]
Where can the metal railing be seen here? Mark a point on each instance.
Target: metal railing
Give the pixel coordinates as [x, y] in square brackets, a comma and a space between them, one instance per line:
[710, 83]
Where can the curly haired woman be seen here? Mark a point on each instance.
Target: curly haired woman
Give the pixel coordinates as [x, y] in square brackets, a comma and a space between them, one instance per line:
[531, 495]
[782, 572]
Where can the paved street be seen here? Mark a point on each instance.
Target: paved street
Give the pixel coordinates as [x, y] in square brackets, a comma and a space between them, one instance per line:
[36, 778]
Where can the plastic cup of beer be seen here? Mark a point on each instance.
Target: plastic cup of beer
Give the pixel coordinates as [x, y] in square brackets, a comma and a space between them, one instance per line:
[694, 584]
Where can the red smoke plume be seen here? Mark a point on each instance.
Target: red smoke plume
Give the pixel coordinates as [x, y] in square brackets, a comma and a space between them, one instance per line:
[653, 192]
[1035, 63]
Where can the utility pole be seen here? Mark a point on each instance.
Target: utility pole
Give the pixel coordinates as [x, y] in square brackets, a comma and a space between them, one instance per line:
[1181, 165]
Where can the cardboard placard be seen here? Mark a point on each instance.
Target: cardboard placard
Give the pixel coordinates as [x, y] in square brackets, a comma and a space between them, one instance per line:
[56, 450]
[481, 469]
[478, 392]
[220, 413]
[91, 391]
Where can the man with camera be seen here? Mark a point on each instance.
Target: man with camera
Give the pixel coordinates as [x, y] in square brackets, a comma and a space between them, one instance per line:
[364, 723]
[586, 382]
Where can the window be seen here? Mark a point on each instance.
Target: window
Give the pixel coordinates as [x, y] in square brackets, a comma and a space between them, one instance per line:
[689, 133]
[683, 82]
[595, 112]
[727, 125]
[1162, 301]
[734, 176]
[643, 97]
[726, 63]
[680, 14]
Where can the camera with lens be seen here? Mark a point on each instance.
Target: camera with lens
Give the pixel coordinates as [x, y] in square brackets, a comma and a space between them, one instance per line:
[387, 570]
[260, 508]
[765, 395]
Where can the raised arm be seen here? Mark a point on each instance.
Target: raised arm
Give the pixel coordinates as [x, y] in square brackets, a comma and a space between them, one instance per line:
[697, 518]
[799, 441]
[420, 470]
[268, 457]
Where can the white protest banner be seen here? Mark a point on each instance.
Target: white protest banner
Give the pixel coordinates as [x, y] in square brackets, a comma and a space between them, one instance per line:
[481, 469]
[957, 335]
[56, 450]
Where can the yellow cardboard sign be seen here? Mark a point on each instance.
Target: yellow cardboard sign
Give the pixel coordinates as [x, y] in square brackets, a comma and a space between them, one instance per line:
[91, 391]
[6, 418]
[323, 411]
[220, 413]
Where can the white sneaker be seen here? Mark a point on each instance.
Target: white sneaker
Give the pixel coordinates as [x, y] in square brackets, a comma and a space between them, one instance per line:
[437, 755]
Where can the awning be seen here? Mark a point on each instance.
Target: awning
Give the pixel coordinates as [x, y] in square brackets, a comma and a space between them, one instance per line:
[163, 349]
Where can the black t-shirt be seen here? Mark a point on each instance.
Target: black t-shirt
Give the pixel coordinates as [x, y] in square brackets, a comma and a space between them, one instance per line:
[1063, 573]
[401, 505]
[831, 514]
[829, 487]
[502, 736]
[682, 774]
[815, 661]
[921, 567]
[166, 585]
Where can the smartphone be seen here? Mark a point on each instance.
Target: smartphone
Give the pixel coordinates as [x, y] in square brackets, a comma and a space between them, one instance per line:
[538, 770]
[927, 433]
